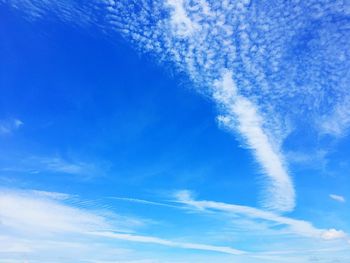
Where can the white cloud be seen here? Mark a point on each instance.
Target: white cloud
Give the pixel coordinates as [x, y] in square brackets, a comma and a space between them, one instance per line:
[333, 234]
[337, 198]
[28, 216]
[242, 115]
[169, 243]
[34, 212]
[314, 158]
[66, 11]
[141, 201]
[52, 195]
[181, 23]
[295, 226]
[338, 121]
[9, 126]
[58, 249]
[55, 164]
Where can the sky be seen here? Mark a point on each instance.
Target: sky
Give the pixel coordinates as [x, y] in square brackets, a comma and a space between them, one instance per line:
[174, 131]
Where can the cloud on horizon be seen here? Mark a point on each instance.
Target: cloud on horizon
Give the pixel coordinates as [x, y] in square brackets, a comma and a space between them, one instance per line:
[26, 218]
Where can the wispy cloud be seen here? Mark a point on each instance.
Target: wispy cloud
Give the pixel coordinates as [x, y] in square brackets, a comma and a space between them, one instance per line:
[51, 195]
[310, 158]
[185, 200]
[7, 127]
[181, 23]
[57, 164]
[241, 114]
[142, 201]
[295, 226]
[337, 198]
[164, 242]
[54, 164]
[31, 215]
[334, 234]
[29, 212]
[338, 121]
[288, 239]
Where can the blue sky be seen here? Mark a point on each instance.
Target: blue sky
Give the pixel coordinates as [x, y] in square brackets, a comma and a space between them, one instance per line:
[174, 131]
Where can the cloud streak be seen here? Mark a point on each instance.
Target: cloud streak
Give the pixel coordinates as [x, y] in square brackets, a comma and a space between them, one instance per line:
[242, 115]
[164, 242]
[298, 227]
[28, 214]
[55, 164]
[337, 198]
[7, 127]
[185, 200]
